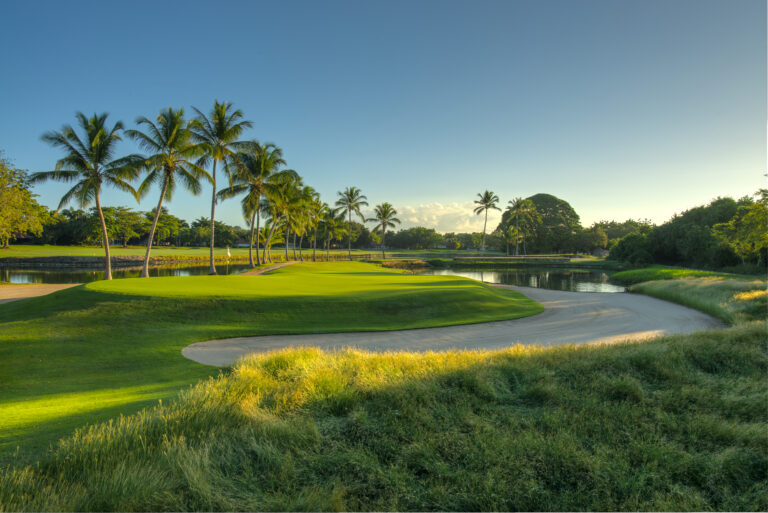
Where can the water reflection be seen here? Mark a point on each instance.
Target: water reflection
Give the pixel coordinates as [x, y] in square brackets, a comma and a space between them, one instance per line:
[80, 275]
[575, 280]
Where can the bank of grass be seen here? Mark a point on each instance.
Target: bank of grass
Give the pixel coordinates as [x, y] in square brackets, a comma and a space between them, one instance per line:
[89, 353]
[734, 300]
[677, 423]
[659, 272]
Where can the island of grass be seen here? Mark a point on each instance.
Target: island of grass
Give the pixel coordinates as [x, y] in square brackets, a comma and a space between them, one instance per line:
[92, 352]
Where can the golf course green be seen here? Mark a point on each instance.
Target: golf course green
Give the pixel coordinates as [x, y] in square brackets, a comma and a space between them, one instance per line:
[92, 352]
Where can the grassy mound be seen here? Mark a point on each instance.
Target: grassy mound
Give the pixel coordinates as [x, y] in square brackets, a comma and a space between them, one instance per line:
[733, 300]
[674, 424]
[659, 272]
[89, 353]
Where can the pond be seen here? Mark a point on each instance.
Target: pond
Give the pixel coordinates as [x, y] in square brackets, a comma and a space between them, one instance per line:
[575, 280]
[60, 274]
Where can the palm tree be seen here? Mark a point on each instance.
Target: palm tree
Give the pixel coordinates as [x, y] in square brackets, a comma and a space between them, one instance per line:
[317, 210]
[279, 205]
[487, 201]
[332, 226]
[217, 135]
[256, 172]
[350, 201]
[89, 161]
[385, 216]
[303, 218]
[522, 211]
[171, 147]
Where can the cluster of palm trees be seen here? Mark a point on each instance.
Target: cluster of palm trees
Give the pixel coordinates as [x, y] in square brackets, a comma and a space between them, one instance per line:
[521, 216]
[191, 152]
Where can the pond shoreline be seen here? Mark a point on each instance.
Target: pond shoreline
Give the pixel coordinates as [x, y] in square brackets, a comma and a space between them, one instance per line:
[117, 261]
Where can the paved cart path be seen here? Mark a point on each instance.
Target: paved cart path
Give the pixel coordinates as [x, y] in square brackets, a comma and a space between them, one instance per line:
[22, 291]
[569, 317]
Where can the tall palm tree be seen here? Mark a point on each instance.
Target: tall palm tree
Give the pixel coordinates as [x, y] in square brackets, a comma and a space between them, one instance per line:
[487, 201]
[385, 217]
[522, 211]
[332, 224]
[256, 172]
[351, 200]
[280, 204]
[171, 150]
[217, 135]
[89, 162]
[317, 210]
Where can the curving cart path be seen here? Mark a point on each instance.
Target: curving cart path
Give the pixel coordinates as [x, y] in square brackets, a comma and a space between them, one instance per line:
[569, 317]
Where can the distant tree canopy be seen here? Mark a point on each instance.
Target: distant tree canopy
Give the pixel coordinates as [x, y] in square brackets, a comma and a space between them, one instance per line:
[558, 229]
[718, 235]
[19, 211]
[415, 238]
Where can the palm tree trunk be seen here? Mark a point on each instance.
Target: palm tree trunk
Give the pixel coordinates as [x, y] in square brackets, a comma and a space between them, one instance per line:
[349, 230]
[145, 267]
[484, 223]
[258, 235]
[383, 235]
[301, 242]
[212, 270]
[314, 244]
[269, 239]
[517, 237]
[328, 250]
[250, 245]
[287, 238]
[294, 245]
[108, 270]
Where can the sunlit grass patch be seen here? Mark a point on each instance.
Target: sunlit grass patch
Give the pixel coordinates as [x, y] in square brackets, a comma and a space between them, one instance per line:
[734, 300]
[658, 272]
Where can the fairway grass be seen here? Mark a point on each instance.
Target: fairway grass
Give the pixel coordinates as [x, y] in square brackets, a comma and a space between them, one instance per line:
[89, 353]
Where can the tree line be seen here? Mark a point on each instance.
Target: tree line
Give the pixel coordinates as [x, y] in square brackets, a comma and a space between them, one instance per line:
[726, 234]
[191, 153]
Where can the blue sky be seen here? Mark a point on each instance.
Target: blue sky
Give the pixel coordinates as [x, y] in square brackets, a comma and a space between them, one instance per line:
[623, 108]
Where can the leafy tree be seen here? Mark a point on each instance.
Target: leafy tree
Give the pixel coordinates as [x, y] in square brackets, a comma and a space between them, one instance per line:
[417, 237]
[19, 211]
[615, 230]
[169, 142]
[487, 200]
[89, 162]
[217, 135]
[169, 227]
[747, 231]
[451, 241]
[384, 216]
[127, 224]
[558, 227]
[350, 201]
[522, 214]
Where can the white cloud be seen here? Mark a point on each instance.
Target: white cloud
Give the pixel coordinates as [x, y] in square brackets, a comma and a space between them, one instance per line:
[447, 217]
